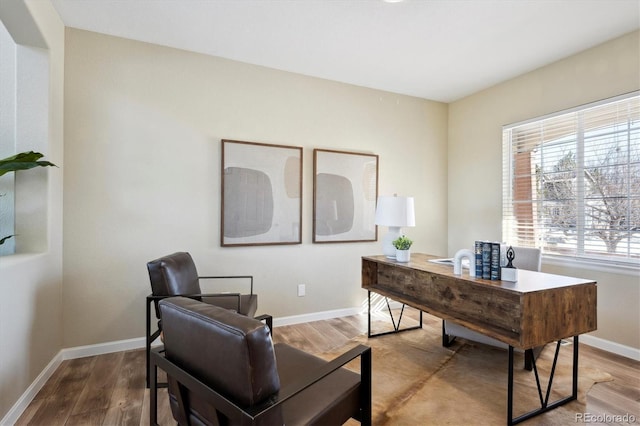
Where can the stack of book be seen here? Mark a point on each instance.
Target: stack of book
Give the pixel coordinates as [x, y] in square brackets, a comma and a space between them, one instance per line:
[488, 259]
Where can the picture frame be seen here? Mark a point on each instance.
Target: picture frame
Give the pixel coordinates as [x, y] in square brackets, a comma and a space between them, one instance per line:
[261, 194]
[345, 190]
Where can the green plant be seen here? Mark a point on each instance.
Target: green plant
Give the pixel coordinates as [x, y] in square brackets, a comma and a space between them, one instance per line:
[402, 243]
[21, 161]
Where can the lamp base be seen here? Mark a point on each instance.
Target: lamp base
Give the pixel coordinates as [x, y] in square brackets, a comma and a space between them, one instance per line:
[387, 242]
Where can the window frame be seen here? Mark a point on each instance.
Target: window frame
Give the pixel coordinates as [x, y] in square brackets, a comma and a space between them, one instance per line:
[25, 87]
[533, 235]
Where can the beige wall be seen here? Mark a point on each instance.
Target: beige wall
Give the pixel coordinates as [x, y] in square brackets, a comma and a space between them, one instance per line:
[475, 160]
[143, 125]
[31, 283]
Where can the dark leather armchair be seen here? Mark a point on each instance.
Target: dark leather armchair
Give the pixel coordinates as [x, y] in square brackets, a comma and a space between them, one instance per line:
[176, 275]
[223, 369]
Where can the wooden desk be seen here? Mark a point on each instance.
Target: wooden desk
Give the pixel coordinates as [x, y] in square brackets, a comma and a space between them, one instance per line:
[538, 309]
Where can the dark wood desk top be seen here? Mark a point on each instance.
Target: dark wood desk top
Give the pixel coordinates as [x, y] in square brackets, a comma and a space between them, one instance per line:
[537, 309]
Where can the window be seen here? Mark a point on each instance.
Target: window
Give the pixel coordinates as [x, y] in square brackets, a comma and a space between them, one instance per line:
[571, 182]
[7, 136]
[24, 126]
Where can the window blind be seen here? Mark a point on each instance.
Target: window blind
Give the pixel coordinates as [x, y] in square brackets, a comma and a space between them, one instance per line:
[571, 182]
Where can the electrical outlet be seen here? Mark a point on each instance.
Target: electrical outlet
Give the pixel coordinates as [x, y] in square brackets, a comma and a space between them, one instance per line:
[301, 290]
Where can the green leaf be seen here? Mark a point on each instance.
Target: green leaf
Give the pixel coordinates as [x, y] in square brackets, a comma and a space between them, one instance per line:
[402, 243]
[5, 239]
[23, 161]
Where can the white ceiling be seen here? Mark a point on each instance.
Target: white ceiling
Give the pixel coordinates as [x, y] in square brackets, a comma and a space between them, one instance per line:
[435, 49]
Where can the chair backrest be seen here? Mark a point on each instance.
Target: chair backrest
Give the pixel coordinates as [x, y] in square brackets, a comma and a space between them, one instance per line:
[228, 352]
[527, 258]
[173, 275]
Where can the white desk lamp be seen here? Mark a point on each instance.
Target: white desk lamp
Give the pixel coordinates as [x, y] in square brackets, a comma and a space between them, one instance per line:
[395, 213]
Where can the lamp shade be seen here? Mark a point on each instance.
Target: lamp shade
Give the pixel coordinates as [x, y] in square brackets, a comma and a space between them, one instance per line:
[395, 211]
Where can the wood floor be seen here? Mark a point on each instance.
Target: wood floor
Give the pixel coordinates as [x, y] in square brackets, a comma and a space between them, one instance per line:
[110, 389]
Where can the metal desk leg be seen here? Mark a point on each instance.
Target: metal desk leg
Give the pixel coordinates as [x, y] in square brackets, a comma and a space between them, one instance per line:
[544, 401]
[369, 313]
[396, 327]
[575, 368]
[447, 340]
[510, 388]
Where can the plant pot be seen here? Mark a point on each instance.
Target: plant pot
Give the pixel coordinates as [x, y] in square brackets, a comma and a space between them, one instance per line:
[403, 255]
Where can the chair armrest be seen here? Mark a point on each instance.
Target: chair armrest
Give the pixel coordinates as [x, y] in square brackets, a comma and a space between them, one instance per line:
[242, 415]
[268, 319]
[192, 296]
[224, 277]
[314, 376]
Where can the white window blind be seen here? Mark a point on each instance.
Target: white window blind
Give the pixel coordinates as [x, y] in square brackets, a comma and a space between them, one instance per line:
[571, 182]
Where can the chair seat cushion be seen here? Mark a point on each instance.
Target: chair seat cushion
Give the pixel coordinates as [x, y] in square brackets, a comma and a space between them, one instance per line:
[331, 401]
[248, 303]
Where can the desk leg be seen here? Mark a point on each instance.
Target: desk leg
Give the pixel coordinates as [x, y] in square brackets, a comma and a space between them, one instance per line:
[544, 401]
[574, 388]
[447, 340]
[368, 313]
[510, 388]
[396, 327]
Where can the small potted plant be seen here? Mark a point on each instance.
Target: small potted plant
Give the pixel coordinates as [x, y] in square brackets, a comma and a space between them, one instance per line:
[403, 246]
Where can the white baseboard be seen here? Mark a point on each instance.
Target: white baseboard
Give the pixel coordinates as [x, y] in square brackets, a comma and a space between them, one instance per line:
[315, 316]
[23, 402]
[324, 315]
[25, 399]
[609, 346]
[103, 348]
